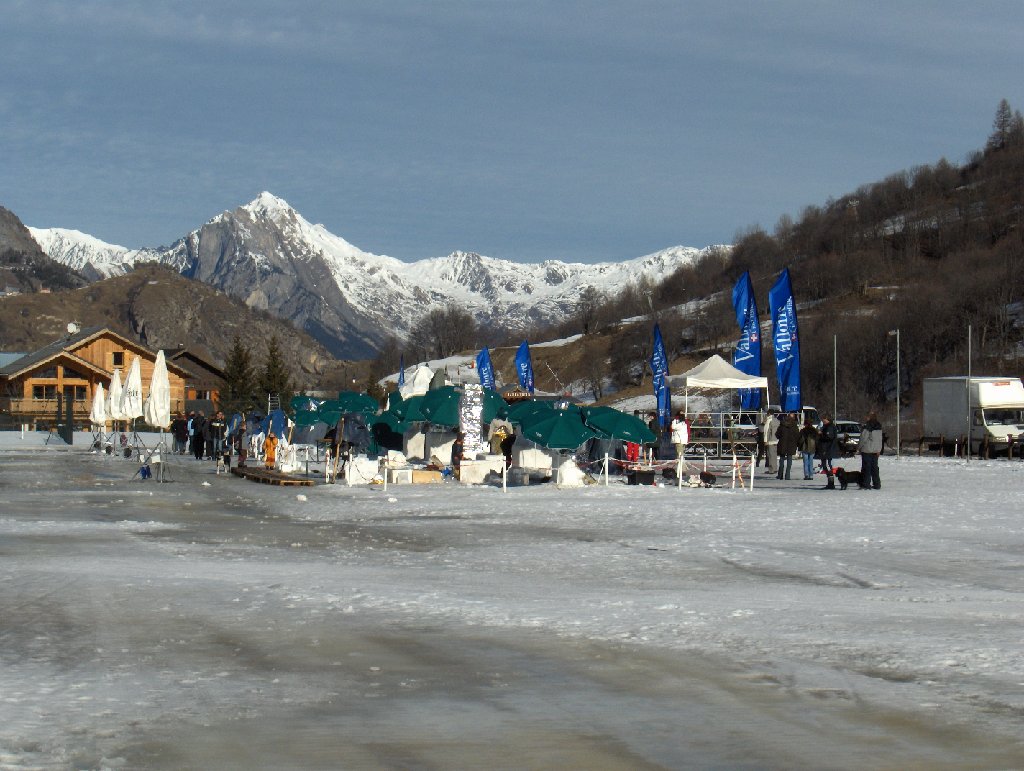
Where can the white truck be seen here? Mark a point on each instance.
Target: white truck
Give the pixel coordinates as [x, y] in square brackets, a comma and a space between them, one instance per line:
[994, 406]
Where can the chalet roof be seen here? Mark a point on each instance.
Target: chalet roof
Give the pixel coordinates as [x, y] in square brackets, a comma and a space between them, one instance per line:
[199, 362]
[67, 345]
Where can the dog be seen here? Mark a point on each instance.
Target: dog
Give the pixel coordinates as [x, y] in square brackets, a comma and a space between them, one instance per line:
[703, 479]
[847, 477]
[223, 462]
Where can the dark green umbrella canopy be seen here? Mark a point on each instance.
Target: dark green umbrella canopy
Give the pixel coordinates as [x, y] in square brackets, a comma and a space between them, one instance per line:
[615, 424]
[391, 420]
[304, 404]
[408, 410]
[354, 401]
[494, 405]
[441, 406]
[524, 410]
[307, 417]
[557, 429]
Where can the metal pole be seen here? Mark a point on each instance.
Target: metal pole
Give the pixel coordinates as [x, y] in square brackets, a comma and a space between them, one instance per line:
[968, 393]
[835, 377]
[897, 392]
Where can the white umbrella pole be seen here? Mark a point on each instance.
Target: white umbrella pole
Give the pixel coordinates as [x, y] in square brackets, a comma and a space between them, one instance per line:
[606, 469]
[733, 487]
[679, 472]
[504, 478]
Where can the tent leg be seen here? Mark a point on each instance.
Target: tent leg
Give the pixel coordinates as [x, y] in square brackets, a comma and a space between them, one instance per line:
[679, 472]
[504, 478]
[733, 487]
[606, 469]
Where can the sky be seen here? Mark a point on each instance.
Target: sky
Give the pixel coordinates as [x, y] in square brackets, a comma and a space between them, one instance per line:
[575, 130]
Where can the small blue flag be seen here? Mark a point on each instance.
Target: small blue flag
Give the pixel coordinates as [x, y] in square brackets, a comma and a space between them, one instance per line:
[786, 342]
[484, 368]
[747, 356]
[659, 368]
[401, 370]
[524, 366]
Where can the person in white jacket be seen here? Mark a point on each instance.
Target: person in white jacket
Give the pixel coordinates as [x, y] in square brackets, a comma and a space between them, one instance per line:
[771, 442]
[680, 434]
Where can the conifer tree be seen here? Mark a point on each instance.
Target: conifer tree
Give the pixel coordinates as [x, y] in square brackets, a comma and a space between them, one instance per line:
[274, 379]
[239, 394]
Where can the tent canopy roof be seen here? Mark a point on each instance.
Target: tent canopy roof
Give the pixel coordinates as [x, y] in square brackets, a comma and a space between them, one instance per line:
[716, 372]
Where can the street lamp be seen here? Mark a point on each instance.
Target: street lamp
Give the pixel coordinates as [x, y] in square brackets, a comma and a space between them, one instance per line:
[896, 332]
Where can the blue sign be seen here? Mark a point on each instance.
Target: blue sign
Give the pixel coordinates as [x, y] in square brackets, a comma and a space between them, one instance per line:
[524, 367]
[659, 368]
[786, 342]
[485, 368]
[747, 356]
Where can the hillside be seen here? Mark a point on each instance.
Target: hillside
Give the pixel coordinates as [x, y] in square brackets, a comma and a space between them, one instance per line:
[24, 267]
[162, 309]
[929, 251]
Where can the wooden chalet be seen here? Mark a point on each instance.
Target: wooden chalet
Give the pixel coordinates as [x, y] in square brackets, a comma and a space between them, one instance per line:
[70, 369]
[206, 380]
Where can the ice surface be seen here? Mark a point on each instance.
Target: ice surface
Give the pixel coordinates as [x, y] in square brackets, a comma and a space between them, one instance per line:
[237, 625]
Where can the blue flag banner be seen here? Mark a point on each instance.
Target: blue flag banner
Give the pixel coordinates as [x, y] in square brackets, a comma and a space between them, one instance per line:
[747, 356]
[659, 368]
[524, 366]
[401, 370]
[786, 342]
[485, 368]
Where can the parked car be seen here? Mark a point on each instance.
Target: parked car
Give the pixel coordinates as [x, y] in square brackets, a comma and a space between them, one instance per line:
[849, 436]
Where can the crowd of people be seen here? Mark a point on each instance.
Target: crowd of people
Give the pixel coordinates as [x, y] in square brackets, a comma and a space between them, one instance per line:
[780, 439]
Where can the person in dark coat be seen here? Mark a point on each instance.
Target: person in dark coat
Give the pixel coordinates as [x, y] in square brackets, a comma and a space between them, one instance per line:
[808, 445]
[828, 443]
[179, 430]
[870, 445]
[458, 448]
[199, 435]
[788, 435]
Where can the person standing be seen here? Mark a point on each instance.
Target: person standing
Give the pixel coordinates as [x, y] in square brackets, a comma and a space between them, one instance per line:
[458, 449]
[808, 446]
[828, 441]
[787, 435]
[218, 429]
[199, 435]
[179, 430]
[871, 441]
[680, 434]
[270, 450]
[771, 443]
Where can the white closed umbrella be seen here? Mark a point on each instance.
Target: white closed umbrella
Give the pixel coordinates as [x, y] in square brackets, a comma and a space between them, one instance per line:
[98, 414]
[114, 397]
[157, 408]
[131, 394]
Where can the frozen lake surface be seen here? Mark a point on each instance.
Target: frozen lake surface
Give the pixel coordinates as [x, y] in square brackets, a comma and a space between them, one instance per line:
[209, 622]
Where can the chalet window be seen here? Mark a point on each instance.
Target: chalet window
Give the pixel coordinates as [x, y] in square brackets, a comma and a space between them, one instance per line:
[49, 373]
[118, 358]
[74, 393]
[44, 392]
[73, 373]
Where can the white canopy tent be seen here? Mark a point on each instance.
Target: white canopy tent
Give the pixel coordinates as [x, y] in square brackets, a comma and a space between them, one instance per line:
[716, 372]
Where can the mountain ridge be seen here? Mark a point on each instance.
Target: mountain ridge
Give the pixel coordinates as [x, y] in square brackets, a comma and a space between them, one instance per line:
[269, 256]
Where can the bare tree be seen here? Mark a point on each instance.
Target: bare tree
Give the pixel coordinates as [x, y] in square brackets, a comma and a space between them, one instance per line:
[443, 332]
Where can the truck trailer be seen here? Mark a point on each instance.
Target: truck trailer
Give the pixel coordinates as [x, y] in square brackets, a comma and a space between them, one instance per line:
[993, 406]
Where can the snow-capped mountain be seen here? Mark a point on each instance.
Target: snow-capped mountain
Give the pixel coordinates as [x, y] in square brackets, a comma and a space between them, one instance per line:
[267, 254]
